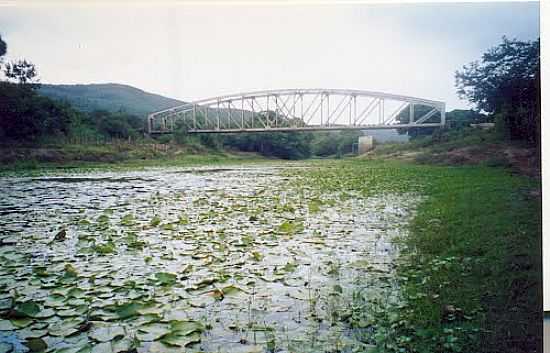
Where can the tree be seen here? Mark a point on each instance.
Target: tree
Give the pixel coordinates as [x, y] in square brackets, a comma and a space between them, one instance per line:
[3, 48]
[506, 84]
[27, 116]
[22, 71]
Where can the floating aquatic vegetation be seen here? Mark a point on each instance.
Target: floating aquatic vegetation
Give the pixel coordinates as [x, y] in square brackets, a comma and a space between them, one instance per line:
[240, 260]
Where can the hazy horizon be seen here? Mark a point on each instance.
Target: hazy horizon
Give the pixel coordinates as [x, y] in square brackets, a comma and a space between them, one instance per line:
[189, 52]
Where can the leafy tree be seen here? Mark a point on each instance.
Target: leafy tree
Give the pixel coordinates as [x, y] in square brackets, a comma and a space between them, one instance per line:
[22, 71]
[3, 48]
[27, 116]
[506, 84]
[459, 119]
[115, 125]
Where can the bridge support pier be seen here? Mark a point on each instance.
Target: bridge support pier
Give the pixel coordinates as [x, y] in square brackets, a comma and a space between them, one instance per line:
[365, 144]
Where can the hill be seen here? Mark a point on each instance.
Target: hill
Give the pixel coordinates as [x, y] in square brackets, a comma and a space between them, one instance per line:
[111, 97]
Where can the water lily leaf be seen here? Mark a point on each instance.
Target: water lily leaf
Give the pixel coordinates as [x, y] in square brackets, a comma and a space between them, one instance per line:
[66, 327]
[186, 327]
[70, 271]
[77, 311]
[45, 313]
[127, 310]
[155, 221]
[179, 340]
[27, 309]
[169, 226]
[152, 331]
[76, 293]
[183, 219]
[233, 289]
[205, 282]
[104, 333]
[22, 322]
[314, 206]
[55, 301]
[127, 220]
[290, 227]
[40, 271]
[124, 345]
[36, 345]
[186, 269]
[257, 256]
[290, 267]
[165, 278]
[106, 248]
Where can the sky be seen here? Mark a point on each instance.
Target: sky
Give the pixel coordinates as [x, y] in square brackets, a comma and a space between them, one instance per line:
[191, 51]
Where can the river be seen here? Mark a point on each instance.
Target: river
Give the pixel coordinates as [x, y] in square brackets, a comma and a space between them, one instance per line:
[234, 259]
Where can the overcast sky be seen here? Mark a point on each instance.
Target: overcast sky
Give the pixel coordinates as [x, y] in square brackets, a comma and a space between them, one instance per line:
[198, 51]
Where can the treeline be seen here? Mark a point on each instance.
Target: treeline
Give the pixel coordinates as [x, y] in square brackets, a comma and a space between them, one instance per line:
[28, 117]
[286, 145]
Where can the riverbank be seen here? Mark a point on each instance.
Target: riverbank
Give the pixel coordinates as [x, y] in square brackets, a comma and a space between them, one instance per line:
[469, 272]
[468, 147]
[117, 156]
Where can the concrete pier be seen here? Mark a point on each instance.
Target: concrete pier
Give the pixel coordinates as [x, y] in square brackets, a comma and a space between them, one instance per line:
[366, 143]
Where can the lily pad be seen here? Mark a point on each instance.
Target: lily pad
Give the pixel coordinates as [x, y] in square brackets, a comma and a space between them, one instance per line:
[22, 322]
[165, 278]
[105, 333]
[152, 331]
[27, 309]
[36, 345]
[179, 340]
[66, 327]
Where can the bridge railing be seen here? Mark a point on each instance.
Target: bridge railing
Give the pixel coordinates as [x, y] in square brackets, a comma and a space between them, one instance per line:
[299, 110]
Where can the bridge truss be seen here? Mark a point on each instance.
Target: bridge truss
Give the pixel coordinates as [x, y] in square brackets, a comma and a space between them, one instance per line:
[299, 110]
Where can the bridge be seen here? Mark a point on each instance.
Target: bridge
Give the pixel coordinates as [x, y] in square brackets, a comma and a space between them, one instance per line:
[299, 110]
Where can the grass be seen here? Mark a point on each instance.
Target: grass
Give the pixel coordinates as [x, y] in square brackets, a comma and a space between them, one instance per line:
[469, 271]
[84, 157]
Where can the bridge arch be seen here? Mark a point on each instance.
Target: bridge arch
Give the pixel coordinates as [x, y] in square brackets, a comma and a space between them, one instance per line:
[299, 110]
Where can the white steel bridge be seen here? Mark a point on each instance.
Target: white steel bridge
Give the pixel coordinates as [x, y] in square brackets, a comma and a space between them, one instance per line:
[299, 110]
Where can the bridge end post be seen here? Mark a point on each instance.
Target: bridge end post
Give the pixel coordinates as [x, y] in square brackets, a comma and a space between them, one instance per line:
[442, 108]
[149, 123]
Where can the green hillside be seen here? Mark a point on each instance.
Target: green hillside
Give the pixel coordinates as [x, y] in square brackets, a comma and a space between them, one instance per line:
[111, 97]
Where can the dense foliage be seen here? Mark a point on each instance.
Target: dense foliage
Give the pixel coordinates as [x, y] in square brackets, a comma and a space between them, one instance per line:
[26, 116]
[3, 48]
[506, 84]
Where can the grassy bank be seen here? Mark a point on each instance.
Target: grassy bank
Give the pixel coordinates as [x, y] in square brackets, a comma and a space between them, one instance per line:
[469, 272]
[464, 147]
[113, 156]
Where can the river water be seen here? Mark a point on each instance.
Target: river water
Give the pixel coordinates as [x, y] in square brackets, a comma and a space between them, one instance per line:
[239, 259]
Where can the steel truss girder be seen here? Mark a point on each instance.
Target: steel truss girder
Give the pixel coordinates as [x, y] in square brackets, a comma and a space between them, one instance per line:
[284, 111]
